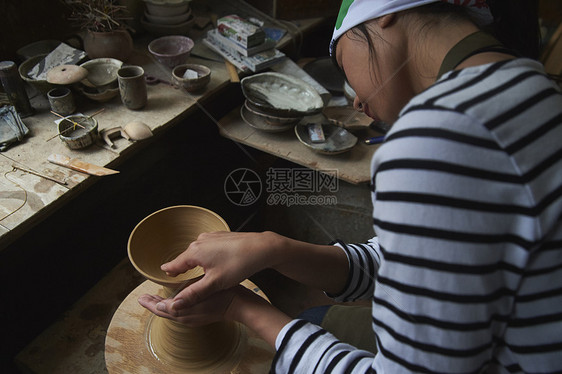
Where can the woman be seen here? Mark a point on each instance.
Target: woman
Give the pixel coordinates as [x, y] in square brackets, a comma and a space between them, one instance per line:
[465, 273]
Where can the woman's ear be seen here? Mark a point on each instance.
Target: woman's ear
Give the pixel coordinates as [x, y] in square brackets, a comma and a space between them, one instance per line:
[386, 20]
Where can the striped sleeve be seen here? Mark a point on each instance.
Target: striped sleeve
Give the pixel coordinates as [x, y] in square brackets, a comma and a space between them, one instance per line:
[364, 262]
[306, 348]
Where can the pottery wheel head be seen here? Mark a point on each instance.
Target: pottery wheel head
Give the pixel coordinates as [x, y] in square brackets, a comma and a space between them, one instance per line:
[66, 74]
[164, 234]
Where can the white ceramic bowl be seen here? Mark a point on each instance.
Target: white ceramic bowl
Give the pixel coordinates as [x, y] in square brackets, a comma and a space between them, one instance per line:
[168, 20]
[166, 8]
[161, 30]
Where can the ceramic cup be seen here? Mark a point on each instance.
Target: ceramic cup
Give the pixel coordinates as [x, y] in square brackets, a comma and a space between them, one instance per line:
[61, 101]
[132, 86]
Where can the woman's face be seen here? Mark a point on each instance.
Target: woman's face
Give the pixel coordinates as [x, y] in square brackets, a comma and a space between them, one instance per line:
[380, 80]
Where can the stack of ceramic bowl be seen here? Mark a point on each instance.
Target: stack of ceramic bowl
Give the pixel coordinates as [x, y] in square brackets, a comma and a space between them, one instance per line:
[101, 82]
[277, 102]
[167, 17]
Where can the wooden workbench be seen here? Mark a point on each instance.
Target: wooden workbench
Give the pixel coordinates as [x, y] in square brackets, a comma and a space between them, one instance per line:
[26, 199]
[352, 166]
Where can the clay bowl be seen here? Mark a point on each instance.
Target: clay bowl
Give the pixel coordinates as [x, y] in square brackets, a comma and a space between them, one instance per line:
[100, 95]
[76, 137]
[102, 72]
[171, 50]
[163, 235]
[40, 84]
[167, 8]
[192, 84]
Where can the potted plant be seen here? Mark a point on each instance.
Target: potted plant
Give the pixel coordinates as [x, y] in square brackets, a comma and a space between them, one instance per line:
[102, 23]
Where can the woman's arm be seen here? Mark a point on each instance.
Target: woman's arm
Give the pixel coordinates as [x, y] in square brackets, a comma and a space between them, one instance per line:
[228, 258]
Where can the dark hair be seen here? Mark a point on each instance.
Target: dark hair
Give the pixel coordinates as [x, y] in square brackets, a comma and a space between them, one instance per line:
[516, 24]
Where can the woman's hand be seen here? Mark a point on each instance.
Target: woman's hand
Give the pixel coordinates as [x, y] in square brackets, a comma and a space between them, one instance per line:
[227, 258]
[212, 309]
[234, 304]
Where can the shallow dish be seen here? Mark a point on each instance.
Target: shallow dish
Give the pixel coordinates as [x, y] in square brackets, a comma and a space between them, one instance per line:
[281, 95]
[102, 71]
[192, 84]
[260, 123]
[348, 117]
[171, 50]
[338, 139]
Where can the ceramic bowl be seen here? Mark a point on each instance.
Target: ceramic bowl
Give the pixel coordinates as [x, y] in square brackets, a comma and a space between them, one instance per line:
[40, 84]
[259, 122]
[281, 95]
[270, 119]
[81, 136]
[164, 234]
[168, 20]
[100, 95]
[171, 50]
[192, 84]
[338, 139]
[102, 72]
[166, 8]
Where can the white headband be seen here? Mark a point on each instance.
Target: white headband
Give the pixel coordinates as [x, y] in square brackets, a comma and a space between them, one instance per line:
[355, 12]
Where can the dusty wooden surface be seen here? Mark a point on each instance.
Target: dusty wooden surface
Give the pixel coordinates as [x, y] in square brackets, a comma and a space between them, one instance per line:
[26, 199]
[126, 350]
[352, 166]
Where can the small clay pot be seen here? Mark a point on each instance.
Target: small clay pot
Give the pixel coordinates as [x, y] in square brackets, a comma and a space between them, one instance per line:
[116, 44]
[61, 100]
[78, 131]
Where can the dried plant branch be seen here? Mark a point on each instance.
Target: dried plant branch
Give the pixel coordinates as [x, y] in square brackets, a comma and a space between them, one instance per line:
[97, 15]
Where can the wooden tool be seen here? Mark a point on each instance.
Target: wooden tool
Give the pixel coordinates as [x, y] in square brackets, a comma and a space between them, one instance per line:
[81, 166]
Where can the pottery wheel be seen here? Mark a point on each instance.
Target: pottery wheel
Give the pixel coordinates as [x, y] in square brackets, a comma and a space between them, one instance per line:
[127, 347]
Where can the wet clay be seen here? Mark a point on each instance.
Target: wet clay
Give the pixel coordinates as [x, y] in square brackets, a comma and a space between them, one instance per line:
[208, 349]
[157, 239]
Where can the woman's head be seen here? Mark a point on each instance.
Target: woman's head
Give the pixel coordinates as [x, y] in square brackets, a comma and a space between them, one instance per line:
[388, 59]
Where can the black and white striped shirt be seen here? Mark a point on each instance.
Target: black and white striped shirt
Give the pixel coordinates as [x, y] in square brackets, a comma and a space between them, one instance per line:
[466, 269]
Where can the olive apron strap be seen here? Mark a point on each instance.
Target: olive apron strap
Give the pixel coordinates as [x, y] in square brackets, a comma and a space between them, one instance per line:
[475, 43]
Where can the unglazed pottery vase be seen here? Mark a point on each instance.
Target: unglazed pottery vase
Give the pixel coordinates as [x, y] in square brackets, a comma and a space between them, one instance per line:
[115, 44]
[157, 239]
